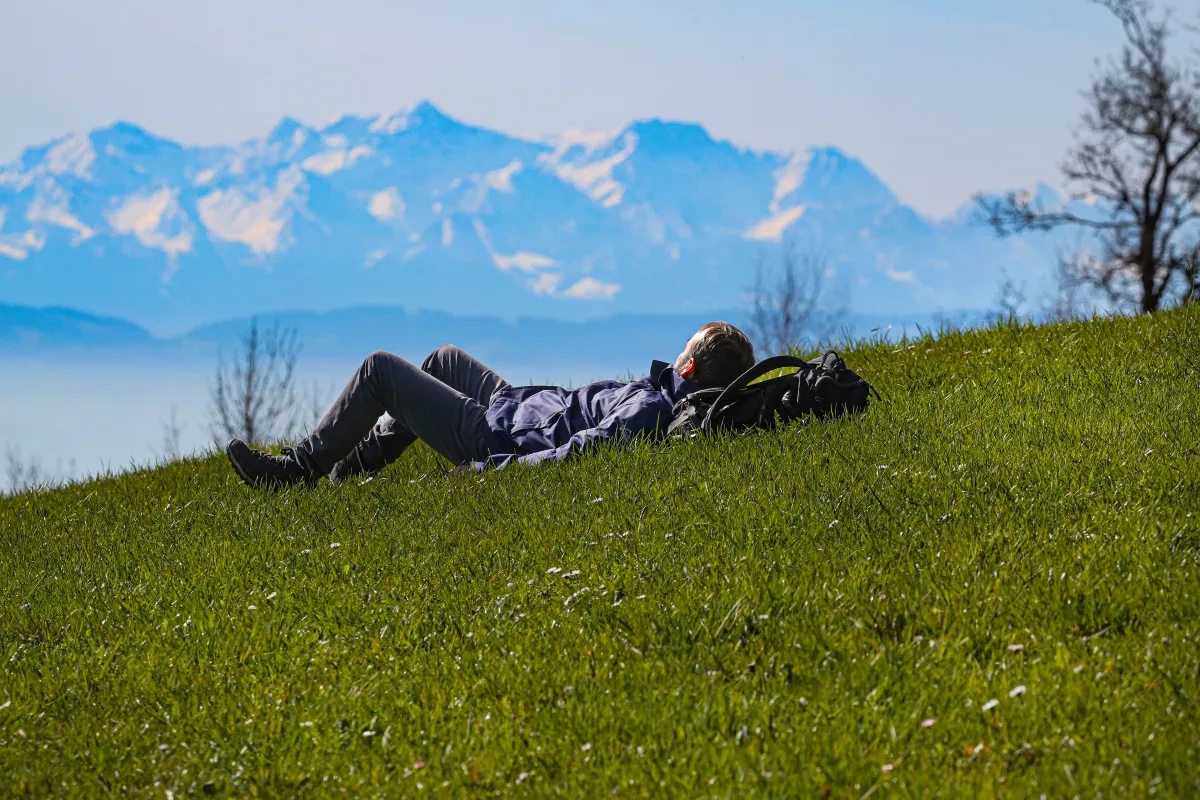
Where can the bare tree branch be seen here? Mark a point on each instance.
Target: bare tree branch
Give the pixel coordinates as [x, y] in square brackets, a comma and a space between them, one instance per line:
[1009, 301]
[22, 473]
[1069, 300]
[254, 395]
[1191, 276]
[172, 430]
[791, 308]
[1137, 160]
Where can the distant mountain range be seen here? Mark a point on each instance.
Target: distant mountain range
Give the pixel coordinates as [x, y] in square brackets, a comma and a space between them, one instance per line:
[599, 347]
[420, 210]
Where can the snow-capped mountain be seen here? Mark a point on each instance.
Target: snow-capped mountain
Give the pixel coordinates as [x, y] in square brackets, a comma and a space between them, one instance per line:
[420, 210]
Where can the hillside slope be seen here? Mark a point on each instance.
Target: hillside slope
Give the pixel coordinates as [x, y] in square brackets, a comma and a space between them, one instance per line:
[989, 582]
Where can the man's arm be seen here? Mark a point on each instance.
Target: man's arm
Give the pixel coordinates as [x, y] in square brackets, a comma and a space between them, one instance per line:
[622, 425]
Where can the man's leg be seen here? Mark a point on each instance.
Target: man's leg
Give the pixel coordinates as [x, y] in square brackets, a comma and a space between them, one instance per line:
[447, 420]
[390, 438]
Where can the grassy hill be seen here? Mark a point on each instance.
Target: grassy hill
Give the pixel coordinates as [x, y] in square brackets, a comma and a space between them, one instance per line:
[987, 585]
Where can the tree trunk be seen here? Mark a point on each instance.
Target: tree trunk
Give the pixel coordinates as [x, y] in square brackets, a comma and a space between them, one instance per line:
[1149, 300]
[1147, 266]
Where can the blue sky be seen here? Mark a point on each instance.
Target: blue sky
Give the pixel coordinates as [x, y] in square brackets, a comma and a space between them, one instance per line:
[941, 98]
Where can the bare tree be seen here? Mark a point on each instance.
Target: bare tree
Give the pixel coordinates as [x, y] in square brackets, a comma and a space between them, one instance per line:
[791, 307]
[1191, 279]
[254, 396]
[22, 473]
[1009, 301]
[1137, 162]
[172, 430]
[1070, 298]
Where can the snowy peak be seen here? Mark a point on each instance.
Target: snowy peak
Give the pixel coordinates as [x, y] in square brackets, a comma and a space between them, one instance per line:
[836, 179]
[426, 113]
[353, 127]
[71, 155]
[424, 117]
[588, 162]
[659, 137]
[288, 131]
[127, 139]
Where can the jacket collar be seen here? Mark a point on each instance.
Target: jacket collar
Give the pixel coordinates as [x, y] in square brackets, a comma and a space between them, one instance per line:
[664, 378]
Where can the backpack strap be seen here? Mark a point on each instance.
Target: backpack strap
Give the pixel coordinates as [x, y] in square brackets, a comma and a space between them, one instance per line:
[742, 381]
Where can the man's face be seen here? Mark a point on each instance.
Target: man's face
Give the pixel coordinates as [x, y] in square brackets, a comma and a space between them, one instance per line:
[686, 355]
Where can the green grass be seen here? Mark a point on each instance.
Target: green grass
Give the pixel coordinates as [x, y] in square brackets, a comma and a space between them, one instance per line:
[823, 610]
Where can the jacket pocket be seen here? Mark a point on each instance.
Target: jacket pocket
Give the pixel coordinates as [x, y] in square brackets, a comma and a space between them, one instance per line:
[532, 423]
[537, 412]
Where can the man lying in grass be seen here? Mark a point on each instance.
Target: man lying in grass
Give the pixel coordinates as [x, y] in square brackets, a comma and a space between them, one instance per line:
[476, 419]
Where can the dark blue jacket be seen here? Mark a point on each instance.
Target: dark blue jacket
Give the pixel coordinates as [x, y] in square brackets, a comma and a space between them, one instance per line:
[532, 424]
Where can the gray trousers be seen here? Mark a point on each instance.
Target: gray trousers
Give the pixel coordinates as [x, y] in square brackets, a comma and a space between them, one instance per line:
[443, 404]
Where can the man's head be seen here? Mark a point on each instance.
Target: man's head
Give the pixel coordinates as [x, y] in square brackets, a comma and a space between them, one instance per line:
[716, 355]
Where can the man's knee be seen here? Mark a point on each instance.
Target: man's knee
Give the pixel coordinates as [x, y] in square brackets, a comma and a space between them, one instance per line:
[377, 359]
[440, 358]
[382, 365]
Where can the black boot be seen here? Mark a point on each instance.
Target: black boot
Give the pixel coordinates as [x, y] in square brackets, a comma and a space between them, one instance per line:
[349, 467]
[265, 471]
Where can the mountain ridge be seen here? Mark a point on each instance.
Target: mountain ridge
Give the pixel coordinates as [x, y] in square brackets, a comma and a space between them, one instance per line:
[417, 208]
[348, 334]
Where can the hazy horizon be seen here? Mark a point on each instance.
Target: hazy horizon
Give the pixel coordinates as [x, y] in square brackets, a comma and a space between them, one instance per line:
[881, 81]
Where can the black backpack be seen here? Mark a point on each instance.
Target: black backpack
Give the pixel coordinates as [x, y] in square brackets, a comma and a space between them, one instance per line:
[824, 387]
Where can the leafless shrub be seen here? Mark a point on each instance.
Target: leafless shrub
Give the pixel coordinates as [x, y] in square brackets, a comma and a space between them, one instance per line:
[254, 395]
[791, 307]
